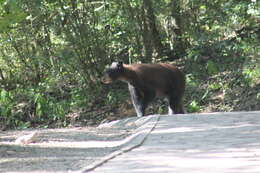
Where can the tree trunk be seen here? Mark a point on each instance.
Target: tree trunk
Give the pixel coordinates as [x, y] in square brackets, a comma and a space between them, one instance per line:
[146, 35]
[180, 42]
[151, 35]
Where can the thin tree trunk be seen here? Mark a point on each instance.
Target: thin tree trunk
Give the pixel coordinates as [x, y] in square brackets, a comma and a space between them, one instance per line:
[146, 35]
[151, 23]
[180, 42]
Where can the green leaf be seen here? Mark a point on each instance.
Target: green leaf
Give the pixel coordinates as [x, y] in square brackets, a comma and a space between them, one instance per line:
[212, 67]
[11, 15]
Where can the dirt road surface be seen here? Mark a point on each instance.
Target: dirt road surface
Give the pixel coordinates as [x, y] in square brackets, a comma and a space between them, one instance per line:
[215, 142]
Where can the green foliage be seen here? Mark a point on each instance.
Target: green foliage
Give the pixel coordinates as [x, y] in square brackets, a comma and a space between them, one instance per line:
[212, 67]
[191, 80]
[193, 107]
[215, 86]
[52, 52]
[251, 74]
[6, 103]
[10, 14]
[113, 98]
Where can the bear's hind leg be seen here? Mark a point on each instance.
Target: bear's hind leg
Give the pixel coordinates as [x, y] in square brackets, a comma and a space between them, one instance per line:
[175, 105]
[170, 111]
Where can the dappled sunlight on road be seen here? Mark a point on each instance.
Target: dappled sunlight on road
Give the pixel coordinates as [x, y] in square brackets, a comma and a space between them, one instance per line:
[196, 143]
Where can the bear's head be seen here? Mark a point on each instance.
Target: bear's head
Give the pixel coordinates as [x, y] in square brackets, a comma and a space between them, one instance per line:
[113, 73]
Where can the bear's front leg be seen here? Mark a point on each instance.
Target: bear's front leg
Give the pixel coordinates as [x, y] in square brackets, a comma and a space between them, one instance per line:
[138, 100]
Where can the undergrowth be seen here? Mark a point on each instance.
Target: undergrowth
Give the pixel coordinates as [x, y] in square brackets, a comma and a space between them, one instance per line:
[225, 79]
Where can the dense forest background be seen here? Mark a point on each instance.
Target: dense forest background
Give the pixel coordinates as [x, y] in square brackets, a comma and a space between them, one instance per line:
[53, 53]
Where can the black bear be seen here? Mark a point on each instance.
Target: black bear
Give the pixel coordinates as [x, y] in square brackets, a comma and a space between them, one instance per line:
[147, 81]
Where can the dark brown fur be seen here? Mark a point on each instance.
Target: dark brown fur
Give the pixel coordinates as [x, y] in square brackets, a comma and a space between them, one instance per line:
[147, 81]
